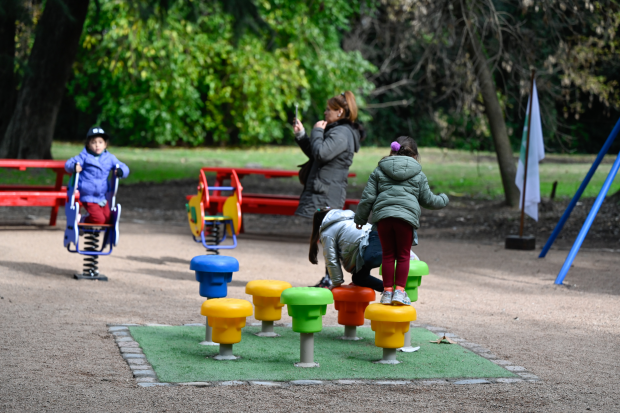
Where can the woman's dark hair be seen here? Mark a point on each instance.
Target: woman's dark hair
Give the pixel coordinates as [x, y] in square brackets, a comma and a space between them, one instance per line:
[346, 102]
[317, 220]
[408, 147]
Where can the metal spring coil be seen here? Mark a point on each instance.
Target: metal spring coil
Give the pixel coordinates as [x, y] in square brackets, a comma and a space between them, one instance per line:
[91, 262]
[213, 237]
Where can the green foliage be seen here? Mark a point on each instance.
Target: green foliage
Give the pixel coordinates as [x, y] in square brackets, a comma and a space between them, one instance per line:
[182, 77]
[422, 51]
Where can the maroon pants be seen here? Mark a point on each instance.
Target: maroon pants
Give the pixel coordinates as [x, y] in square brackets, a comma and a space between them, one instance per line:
[97, 214]
[396, 237]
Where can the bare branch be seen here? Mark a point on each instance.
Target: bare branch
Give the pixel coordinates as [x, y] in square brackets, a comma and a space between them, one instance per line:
[404, 102]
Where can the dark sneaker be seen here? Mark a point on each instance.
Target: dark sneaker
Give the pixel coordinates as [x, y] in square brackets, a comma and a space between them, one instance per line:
[325, 282]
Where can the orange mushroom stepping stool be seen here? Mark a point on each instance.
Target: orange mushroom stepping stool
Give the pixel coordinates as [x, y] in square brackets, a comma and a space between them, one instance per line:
[350, 301]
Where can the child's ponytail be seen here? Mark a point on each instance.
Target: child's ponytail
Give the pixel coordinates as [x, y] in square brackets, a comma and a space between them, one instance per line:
[317, 220]
[405, 146]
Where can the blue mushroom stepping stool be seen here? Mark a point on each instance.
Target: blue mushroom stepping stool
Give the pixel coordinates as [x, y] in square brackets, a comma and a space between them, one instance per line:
[213, 272]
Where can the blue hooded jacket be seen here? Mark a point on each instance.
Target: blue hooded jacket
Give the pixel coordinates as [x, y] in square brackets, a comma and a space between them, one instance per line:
[93, 183]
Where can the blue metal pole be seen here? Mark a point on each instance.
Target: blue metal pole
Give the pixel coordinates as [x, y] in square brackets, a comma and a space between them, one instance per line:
[582, 187]
[589, 220]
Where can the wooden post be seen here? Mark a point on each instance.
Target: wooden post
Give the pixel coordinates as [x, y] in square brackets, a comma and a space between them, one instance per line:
[527, 153]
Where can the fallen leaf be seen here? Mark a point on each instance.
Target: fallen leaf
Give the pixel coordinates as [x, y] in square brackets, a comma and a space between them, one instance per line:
[443, 340]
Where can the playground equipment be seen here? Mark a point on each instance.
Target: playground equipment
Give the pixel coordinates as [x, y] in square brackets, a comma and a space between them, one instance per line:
[226, 316]
[35, 195]
[417, 269]
[213, 272]
[212, 230]
[350, 301]
[595, 208]
[91, 231]
[307, 305]
[253, 203]
[390, 323]
[266, 298]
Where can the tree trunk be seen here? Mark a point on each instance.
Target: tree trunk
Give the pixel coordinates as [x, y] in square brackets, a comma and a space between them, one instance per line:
[7, 66]
[30, 131]
[505, 158]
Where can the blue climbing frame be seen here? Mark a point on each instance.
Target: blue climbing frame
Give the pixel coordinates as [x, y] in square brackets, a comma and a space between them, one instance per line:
[595, 208]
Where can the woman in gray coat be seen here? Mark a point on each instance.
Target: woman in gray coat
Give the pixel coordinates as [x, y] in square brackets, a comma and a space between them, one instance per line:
[330, 148]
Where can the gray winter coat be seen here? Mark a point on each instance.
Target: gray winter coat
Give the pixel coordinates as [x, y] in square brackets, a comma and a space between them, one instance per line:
[397, 188]
[332, 150]
[342, 243]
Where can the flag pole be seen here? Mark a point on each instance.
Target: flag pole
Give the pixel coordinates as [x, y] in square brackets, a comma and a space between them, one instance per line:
[527, 154]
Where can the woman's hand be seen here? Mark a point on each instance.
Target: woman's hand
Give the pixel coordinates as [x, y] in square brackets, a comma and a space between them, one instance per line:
[78, 168]
[297, 126]
[320, 124]
[358, 226]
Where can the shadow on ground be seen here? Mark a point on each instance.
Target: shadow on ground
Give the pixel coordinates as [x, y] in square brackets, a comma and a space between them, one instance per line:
[38, 269]
[180, 275]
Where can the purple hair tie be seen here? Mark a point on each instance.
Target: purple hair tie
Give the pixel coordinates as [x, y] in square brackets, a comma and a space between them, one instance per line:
[395, 146]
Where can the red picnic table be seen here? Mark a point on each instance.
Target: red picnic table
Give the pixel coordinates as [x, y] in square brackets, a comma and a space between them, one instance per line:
[35, 195]
[259, 203]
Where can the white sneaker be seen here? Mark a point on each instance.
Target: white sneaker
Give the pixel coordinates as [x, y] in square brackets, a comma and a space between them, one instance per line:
[386, 298]
[400, 297]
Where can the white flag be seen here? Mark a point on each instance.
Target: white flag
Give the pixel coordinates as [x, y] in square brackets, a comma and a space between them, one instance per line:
[536, 154]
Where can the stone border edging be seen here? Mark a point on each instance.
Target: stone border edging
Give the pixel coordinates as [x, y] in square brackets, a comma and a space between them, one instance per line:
[146, 377]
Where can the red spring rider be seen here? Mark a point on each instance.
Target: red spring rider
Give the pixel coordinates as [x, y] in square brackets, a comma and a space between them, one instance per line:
[98, 196]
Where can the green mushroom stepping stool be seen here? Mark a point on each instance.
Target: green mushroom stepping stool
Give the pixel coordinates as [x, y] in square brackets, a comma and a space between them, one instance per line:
[417, 269]
[307, 306]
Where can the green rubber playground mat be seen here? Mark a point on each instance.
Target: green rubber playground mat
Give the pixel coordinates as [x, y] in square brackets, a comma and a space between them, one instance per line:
[177, 356]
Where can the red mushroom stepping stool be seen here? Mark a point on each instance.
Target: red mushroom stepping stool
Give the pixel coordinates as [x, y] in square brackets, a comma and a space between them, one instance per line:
[351, 301]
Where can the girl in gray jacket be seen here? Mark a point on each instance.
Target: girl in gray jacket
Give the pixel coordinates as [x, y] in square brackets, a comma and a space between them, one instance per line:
[357, 251]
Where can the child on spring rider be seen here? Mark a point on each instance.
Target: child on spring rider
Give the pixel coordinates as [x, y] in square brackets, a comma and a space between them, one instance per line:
[95, 164]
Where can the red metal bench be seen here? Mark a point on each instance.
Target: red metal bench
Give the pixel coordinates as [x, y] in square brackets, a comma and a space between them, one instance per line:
[35, 195]
[258, 203]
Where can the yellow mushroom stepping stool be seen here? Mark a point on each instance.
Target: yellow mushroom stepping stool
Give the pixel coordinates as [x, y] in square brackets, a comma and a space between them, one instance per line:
[266, 297]
[227, 317]
[390, 323]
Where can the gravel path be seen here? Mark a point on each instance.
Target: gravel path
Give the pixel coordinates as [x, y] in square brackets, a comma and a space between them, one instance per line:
[56, 353]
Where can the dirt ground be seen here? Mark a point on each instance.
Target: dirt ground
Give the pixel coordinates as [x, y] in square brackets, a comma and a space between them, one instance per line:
[56, 353]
